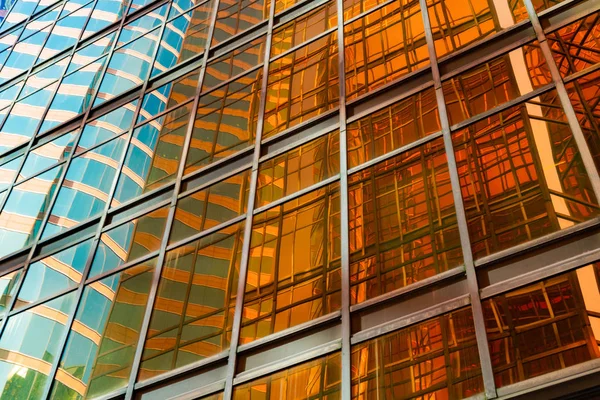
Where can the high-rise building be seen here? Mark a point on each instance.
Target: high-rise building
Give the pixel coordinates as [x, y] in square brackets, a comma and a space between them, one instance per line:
[299, 199]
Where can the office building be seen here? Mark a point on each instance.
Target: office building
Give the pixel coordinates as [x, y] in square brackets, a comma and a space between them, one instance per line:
[299, 199]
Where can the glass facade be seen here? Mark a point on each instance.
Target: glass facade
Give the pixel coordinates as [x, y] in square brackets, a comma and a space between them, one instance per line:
[299, 199]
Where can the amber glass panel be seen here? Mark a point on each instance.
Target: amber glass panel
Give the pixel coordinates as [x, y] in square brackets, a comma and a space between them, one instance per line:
[8, 288]
[576, 46]
[521, 176]
[302, 85]
[210, 207]
[435, 359]
[129, 241]
[585, 97]
[234, 63]
[193, 311]
[298, 169]
[402, 222]
[226, 121]
[458, 23]
[541, 5]
[101, 345]
[495, 82]
[317, 379]
[352, 8]
[236, 16]
[544, 327]
[304, 28]
[29, 346]
[293, 273]
[392, 127]
[384, 45]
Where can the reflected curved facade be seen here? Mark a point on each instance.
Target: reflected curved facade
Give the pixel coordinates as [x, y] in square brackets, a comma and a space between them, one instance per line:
[340, 199]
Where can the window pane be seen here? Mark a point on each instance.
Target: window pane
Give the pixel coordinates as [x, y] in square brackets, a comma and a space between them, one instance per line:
[521, 176]
[193, 311]
[29, 346]
[435, 359]
[234, 63]
[544, 327]
[211, 206]
[127, 242]
[237, 16]
[48, 154]
[302, 85]
[298, 169]
[154, 154]
[304, 28]
[52, 274]
[383, 46]
[495, 82]
[100, 348]
[575, 47]
[392, 127]
[24, 210]
[458, 23]
[403, 225]
[317, 379]
[226, 121]
[85, 190]
[184, 37]
[108, 126]
[294, 268]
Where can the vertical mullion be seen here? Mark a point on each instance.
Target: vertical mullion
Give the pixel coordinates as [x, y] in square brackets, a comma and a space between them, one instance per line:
[103, 217]
[239, 300]
[582, 146]
[477, 309]
[171, 215]
[344, 221]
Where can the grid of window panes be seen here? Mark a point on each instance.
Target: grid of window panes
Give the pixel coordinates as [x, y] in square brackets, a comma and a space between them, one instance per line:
[175, 176]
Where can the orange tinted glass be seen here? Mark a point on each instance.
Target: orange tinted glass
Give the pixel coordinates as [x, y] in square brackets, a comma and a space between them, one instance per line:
[317, 379]
[210, 206]
[304, 28]
[392, 127]
[521, 176]
[458, 23]
[382, 46]
[226, 121]
[576, 46]
[544, 327]
[495, 82]
[435, 359]
[402, 222]
[293, 272]
[298, 169]
[302, 85]
[193, 312]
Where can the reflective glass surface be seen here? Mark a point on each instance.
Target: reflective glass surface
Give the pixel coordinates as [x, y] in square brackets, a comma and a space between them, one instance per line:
[99, 351]
[433, 359]
[384, 45]
[544, 327]
[192, 314]
[174, 175]
[521, 176]
[403, 225]
[317, 379]
[293, 273]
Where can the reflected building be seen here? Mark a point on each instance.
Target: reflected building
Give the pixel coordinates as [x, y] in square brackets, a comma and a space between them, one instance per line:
[340, 199]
